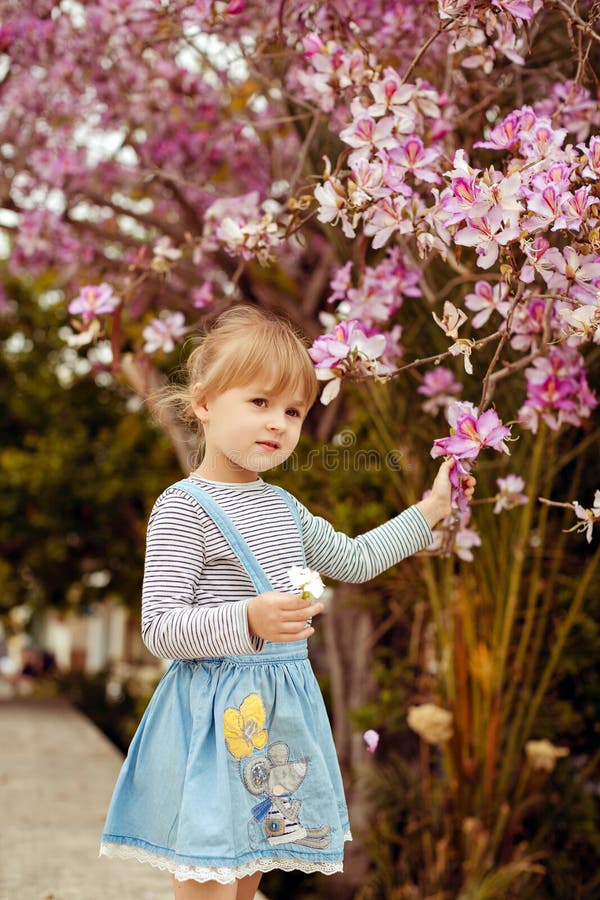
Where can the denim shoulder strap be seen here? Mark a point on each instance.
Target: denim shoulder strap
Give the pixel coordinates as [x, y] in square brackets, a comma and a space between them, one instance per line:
[229, 532]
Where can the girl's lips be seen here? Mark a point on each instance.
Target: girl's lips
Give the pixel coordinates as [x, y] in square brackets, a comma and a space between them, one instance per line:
[270, 445]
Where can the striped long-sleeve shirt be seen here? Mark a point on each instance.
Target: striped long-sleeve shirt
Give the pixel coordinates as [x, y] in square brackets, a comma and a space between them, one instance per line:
[196, 591]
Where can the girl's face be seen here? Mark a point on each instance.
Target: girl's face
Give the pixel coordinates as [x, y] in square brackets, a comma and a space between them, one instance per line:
[248, 430]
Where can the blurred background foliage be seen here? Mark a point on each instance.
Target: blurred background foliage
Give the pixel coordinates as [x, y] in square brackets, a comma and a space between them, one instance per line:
[81, 466]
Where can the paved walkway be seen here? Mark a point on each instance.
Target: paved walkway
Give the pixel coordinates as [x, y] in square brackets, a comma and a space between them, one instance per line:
[57, 772]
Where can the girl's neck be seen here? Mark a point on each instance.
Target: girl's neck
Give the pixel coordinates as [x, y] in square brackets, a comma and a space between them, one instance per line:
[232, 479]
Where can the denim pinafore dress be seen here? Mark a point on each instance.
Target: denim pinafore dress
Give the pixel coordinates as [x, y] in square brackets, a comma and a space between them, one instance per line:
[232, 769]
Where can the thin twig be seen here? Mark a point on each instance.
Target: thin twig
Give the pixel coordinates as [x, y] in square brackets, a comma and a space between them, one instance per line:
[304, 150]
[585, 26]
[438, 357]
[487, 389]
[425, 47]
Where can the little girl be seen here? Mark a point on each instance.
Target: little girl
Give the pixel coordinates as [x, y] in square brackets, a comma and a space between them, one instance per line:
[232, 771]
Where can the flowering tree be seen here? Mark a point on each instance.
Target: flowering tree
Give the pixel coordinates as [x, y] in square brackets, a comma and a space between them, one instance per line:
[415, 185]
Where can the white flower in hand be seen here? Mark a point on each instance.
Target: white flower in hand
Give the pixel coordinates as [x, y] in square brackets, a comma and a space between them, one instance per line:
[307, 581]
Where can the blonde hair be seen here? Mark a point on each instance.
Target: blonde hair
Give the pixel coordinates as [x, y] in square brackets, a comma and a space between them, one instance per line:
[244, 344]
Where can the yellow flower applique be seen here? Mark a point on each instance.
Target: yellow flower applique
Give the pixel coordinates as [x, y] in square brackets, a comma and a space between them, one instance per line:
[244, 728]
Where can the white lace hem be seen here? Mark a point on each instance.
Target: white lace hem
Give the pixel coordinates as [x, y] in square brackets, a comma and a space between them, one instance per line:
[222, 874]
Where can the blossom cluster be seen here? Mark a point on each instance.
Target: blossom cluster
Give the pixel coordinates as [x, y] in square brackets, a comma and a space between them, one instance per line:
[470, 433]
[355, 345]
[536, 216]
[482, 31]
[242, 227]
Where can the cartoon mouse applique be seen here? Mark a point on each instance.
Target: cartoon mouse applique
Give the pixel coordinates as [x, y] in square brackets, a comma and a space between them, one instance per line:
[276, 778]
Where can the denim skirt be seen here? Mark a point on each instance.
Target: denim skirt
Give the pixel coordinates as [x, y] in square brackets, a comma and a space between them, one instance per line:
[232, 771]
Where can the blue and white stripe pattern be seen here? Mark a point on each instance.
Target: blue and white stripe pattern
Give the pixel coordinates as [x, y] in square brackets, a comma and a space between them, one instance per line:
[196, 591]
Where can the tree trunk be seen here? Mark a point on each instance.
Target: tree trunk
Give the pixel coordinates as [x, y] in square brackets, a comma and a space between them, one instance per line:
[348, 632]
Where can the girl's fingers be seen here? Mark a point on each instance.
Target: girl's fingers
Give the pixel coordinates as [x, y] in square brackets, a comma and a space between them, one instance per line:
[301, 615]
[291, 601]
[293, 635]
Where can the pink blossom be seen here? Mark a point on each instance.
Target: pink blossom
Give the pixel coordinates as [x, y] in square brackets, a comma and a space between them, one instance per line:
[371, 739]
[557, 390]
[501, 197]
[439, 385]
[463, 199]
[544, 207]
[510, 493]
[332, 200]
[519, 9]
[463, 539]
[350, 350]
[366, 135]
[504, 136]
[576, 274]
[534, 252]
[203, 296]
[485, 300]
[385, 218]
[312, 44]
[538, 259]
[380, 291]
[571, 106]
[473, 433]
[366, 184]
[542, 140]
[411, 156]
[486, 238]
[328, 350]
[94, 300]
[582, 322]
[458, 470]
[234, 7]
[589, 517]
[395, 265]
[529, 322]
[573, 209]
[340, 282]
[558, 175]
[510, 44]
[389, 95]
[407, 103]
[44, 241]
[592, 153]
[162, 334]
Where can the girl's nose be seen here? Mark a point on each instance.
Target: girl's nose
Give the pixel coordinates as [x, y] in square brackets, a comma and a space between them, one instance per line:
[277, 423]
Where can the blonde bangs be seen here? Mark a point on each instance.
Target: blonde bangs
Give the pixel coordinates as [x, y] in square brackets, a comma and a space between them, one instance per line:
[270, 355]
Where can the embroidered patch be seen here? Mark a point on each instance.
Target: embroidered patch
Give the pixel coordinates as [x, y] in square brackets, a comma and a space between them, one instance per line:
[274, 777]
[244, 728]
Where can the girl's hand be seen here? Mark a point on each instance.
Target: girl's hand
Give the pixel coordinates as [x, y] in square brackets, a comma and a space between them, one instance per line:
[436, 506]
[280, 616]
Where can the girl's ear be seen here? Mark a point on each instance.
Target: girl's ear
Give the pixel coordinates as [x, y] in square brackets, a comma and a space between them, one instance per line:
[199, 402]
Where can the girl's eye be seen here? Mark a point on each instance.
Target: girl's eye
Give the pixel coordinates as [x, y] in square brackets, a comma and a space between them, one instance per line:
[293, 412]
[259, 401]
